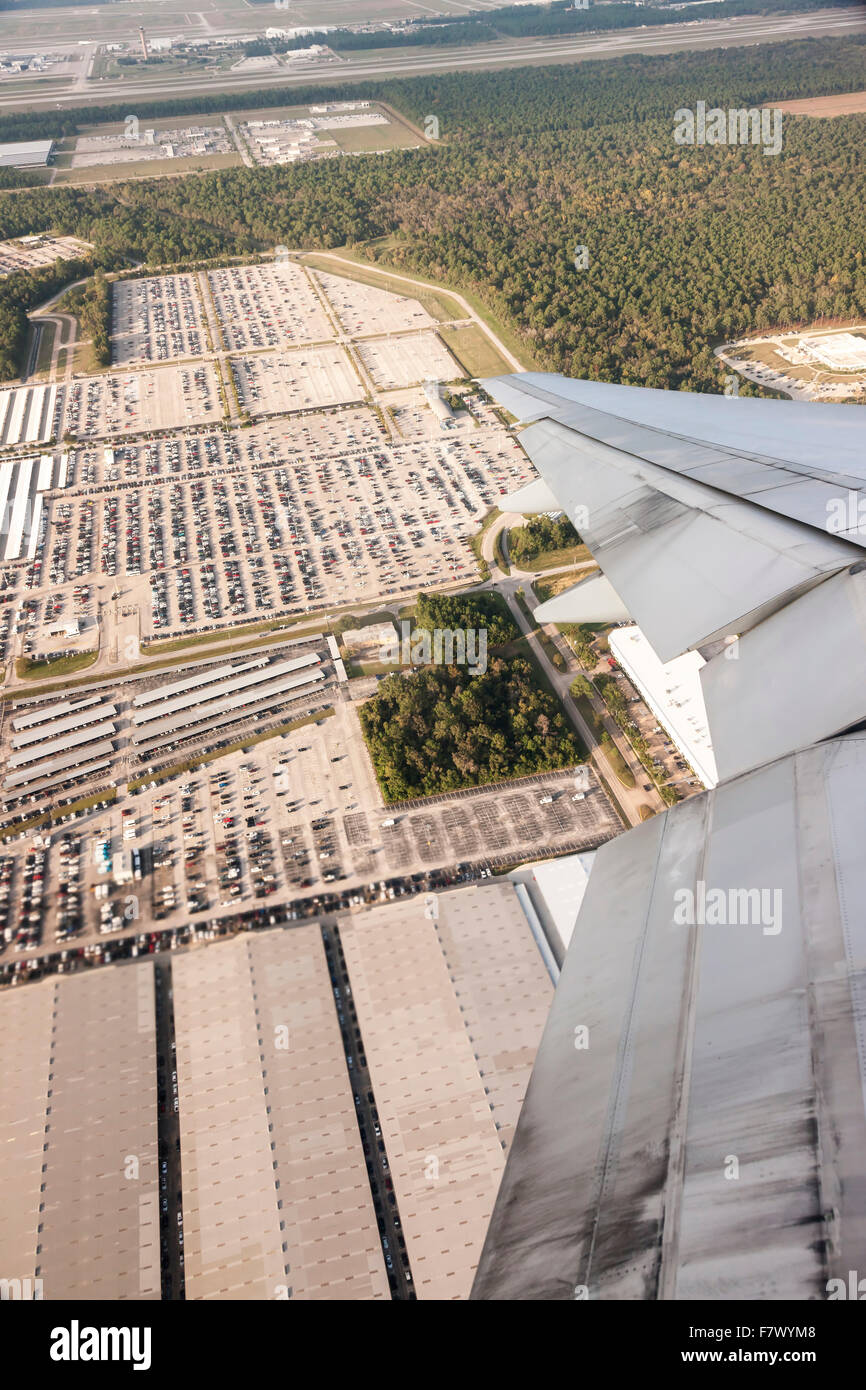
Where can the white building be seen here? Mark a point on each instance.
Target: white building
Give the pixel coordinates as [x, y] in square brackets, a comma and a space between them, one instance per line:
[843, 352]
[26, 154]
[556, 888]
[441, 409]
[672, 690]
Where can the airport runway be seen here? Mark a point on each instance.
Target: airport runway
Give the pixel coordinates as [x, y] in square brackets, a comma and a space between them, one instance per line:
[753, 29]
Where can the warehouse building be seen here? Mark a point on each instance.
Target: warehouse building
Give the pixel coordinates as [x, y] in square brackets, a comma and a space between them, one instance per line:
[26, 154]
[79, 1196]
[275, 1193]
[451, 997]
[672, 690]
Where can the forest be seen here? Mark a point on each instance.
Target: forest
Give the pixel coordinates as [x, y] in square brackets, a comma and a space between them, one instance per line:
[465, 612]
[540, 534]
[91, 303]
[687, 246]
[442, 728]
[18, 295]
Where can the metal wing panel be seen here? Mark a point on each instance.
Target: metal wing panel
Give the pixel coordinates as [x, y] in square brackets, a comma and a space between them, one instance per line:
[814, 653]
[687, 562]
[758, 450]
[708, 1041]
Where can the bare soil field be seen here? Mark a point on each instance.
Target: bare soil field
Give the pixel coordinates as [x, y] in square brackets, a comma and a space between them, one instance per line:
[842, 104]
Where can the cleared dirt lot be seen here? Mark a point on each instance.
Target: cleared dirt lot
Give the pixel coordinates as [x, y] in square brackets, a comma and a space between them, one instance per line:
[842, 104]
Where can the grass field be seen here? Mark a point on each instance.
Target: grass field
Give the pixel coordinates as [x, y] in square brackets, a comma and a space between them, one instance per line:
[558, 583]
[357, 139]
[28, 670]
[474, 350]
[145, 169]
[553, 559]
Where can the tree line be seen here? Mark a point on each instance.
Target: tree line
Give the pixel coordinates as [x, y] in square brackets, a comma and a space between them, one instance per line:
[442, 728]
[19, 294]
[687, 246]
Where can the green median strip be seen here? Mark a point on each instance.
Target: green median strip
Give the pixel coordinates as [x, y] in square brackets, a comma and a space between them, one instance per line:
[58, 813]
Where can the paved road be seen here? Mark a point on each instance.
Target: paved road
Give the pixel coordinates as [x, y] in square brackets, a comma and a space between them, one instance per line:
[61, 344]
[671, 38]
[629, 799]
[240, 143]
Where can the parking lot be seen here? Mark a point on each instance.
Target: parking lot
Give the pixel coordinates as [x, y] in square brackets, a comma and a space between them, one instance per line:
[282, 822]
[156, 319]
[266, 306]
[408, 360]
[34, 252]
[288, 516]
[364, 310]
[118, 403]
[303, 379]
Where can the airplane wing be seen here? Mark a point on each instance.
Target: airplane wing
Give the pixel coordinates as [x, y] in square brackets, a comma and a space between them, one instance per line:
[711, 524]
[695, 1123]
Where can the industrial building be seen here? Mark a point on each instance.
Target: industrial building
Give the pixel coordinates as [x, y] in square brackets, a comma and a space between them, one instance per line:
[220, 697]
[27, 414]
[275, 1194]
[26, 154]
[554, 890]
[79, 1192]
[451, 997]
[59, 743]
[841, 352]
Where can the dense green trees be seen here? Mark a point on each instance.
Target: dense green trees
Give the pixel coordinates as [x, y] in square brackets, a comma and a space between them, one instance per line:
[540, 534]
[687, 246]
[18, 295]
[461, 612]
[442, 727]
[92, 304]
